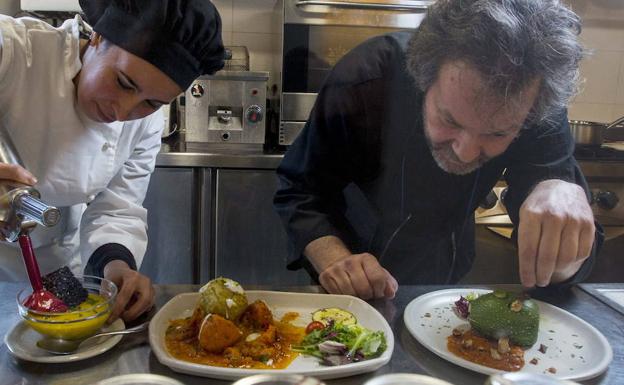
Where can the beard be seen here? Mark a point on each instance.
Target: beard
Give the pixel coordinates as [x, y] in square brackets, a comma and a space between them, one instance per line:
[448, 161]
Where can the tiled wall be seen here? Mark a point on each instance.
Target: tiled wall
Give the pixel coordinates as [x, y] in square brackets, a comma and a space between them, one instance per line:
[256, 24]
[602, 95]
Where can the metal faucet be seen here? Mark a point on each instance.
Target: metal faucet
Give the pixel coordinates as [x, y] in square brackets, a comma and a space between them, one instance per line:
[20, 206]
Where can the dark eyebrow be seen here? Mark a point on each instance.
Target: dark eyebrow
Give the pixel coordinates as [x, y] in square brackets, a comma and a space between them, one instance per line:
[136, 86]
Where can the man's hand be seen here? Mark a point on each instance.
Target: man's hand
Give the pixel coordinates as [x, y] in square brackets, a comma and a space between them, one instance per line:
[135, 295]
[341, 272]
[555, 233]
[360, 275]
[16, 173]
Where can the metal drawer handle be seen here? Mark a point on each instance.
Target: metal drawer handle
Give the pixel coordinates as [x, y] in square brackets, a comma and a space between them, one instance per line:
[420, 6]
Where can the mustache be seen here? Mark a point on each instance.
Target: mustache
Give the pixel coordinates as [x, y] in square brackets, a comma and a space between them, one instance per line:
[446, 158]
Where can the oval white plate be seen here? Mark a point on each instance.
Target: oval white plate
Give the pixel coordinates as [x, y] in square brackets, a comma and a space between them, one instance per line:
[574, 348]
[22, 343]
[280, 303]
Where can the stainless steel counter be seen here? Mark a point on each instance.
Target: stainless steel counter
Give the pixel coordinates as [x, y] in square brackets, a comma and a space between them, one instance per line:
[175, 153]
[133, 355]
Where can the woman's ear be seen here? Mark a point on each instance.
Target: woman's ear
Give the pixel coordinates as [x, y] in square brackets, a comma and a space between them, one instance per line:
[95, 39]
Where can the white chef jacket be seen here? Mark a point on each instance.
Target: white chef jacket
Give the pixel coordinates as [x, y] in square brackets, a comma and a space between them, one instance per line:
[96, 173]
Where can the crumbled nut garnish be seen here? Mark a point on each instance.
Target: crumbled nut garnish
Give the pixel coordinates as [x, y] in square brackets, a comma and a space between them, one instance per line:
[467, 343]
[457, 332]
[516, 306]
[552, 370]
[495, 355]
[534, 361]
[542, 348]
[503, 345]
[481, 349]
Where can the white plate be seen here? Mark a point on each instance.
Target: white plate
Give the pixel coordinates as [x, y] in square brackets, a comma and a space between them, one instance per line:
[280, 303]
[574, 348]
[22, 343]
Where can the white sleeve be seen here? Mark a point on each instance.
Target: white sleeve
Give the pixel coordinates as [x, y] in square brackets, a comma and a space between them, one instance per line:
[116, 215]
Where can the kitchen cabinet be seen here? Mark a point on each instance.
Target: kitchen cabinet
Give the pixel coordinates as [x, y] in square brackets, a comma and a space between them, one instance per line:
[206, 222]
[172, 213]
[250, 243]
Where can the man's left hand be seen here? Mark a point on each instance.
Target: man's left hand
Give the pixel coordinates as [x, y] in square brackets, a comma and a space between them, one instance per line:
[135, 291]
[555, 233]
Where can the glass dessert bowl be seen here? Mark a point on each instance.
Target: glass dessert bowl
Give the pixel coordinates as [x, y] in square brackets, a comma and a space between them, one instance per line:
[80, 321]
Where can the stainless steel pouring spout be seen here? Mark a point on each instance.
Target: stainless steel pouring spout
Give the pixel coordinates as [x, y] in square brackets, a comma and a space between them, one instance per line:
[20, 205]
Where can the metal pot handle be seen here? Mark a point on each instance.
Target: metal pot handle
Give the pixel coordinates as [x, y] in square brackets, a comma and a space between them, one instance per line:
[615, 123]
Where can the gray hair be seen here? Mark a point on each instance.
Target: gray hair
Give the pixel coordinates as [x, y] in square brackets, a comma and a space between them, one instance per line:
[510, 42]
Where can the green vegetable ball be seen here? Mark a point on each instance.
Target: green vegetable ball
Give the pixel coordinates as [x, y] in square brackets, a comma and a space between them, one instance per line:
[505, 314]
[224, 297]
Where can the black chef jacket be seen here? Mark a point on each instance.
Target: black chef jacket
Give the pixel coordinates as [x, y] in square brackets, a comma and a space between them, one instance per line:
[361, 170]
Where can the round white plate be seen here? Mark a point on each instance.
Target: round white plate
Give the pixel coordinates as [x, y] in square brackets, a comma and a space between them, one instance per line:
[573, 347]
[182, 306]
[22, 343]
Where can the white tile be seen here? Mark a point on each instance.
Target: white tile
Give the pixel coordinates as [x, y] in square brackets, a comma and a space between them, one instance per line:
[617, 111]
[225, 10]
[603, 35]
[603, 10]
[619, 98]
[227, 38]
[593, 112]
[260, 47]
[600, 77]
[255, 16]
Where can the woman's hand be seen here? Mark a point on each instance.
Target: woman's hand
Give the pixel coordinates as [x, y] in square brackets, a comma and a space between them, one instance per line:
[16, 173]
[135, 295]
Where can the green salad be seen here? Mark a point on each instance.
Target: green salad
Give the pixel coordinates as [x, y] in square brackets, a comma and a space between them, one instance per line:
[337, 343]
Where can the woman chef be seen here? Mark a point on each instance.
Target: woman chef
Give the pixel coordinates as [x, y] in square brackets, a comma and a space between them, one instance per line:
[83, 115]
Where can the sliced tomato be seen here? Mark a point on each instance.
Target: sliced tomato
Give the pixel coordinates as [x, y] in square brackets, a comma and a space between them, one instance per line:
[314, 325]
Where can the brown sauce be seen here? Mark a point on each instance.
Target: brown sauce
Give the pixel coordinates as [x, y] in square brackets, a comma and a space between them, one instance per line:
[182, 342]
[478, 349]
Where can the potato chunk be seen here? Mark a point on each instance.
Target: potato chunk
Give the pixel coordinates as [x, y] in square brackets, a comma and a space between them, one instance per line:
[258, 316]
[217, 333]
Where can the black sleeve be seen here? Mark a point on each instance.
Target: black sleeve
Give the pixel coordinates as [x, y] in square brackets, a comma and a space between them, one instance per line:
[105, 254]
[318, 166]
[542, 153]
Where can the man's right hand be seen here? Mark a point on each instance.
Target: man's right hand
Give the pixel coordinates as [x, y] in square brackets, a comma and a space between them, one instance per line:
[341, 272]
[16, 173]
[360, 275]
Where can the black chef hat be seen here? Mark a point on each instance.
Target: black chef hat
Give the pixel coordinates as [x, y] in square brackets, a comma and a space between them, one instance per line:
[182, 38]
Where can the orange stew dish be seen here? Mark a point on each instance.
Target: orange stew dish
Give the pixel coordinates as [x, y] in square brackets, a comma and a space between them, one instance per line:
[253, 340]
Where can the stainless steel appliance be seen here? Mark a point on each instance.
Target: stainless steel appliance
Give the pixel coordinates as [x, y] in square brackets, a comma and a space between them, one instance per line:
[496, 256]
[227, 107]
[316, 34]
[20, 207]
[591, 133]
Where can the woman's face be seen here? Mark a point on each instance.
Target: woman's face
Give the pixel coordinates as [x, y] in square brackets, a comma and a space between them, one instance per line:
[115, 85]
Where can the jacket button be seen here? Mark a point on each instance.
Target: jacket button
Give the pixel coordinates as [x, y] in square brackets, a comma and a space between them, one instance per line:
[105, 146]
